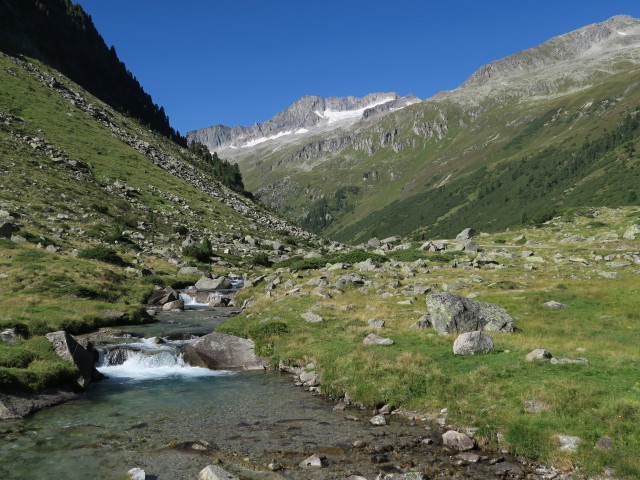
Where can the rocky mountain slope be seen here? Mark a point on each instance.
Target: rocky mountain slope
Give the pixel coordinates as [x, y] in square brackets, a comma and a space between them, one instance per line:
[500, 146]
[310, 114]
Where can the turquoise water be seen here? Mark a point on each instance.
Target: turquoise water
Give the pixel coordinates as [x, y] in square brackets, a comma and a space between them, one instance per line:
[153, 403]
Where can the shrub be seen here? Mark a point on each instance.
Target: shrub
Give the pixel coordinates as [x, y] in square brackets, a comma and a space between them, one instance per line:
[543, 216]
[261, 259]
[103, 254]
[200, 252]
[261, 333]
[100, 208]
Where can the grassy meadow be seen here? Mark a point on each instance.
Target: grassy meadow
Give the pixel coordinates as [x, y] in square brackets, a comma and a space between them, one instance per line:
[420, 372]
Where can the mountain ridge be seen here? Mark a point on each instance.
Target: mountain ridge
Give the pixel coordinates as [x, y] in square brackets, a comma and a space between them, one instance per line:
[309, 112]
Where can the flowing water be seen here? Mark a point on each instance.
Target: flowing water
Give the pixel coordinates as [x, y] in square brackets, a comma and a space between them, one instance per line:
[171, 419]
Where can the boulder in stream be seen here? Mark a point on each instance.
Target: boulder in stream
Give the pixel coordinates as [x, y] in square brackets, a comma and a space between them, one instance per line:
[80, 356]
[219, 351]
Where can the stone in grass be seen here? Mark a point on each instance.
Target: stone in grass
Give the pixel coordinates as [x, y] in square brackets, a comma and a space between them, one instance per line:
[554, 304]
[568, 443]
[373, 339]
[422, 324]
[378, 420]
[458, 441]
[564, 361]
[533, 406]
[604, 443]
[213, 472]
[312, 317]
[472, 343]
[376, 323]
[538, 354]
[314, 461]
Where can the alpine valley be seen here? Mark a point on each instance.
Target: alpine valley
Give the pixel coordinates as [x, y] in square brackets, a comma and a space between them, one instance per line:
[547, 127]
[452, 284]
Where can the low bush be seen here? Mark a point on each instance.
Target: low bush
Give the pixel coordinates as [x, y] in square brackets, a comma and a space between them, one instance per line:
[103, 254]
[261, 259]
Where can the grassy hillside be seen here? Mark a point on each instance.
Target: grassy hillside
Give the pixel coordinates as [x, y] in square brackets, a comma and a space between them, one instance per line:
[102, 209]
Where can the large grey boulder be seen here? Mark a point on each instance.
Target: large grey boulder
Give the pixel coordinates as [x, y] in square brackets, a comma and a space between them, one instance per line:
[451, 313]
[465, 235]
[80, 356]
[219, 351]
[209, 283]
[162, 296]
[472, 343]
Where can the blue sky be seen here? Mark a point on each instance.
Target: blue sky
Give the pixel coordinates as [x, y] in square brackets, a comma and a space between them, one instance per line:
[240, 62]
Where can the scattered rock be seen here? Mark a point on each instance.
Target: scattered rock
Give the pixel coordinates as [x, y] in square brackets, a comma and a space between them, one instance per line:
[507, 469]
[206, 282]
[309, 379]
[468, 457]
[568, 443]
[564, 361]
[554, 304]
[533, 406]
[458, 441]
[465, 234]
[174, 305]
[604, 443]
[451, 313]
[631, 232]
[373, 339]
[136, 474]
[222, 351]
[376, 323]
[314, 461]
[378, 420]
[213, 472]
[472, 343]
[312, 317]
[9, 336]
[538, 354]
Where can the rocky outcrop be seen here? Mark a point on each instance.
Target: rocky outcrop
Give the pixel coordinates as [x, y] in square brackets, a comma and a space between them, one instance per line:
[220, 351]
[451, 313]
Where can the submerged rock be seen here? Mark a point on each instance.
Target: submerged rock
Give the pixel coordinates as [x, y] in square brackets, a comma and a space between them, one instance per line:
[451, 313]
[220, 351]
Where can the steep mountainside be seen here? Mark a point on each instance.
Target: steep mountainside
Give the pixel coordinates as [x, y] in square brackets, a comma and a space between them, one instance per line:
[62, 35]
[551, 126]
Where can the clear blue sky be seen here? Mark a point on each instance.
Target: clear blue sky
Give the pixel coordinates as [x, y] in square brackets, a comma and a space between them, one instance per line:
[238, 62]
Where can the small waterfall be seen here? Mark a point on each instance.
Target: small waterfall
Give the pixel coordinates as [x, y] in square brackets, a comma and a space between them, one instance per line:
[146, 360]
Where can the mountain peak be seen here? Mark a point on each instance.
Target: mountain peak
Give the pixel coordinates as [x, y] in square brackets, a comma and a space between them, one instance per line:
[616, 35]
[309, 114]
